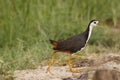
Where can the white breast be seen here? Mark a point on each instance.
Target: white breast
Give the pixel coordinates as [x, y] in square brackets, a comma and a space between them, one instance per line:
[90, 31]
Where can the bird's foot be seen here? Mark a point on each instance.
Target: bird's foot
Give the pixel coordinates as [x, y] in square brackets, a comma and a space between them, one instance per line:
[48, 70]
[74, 70]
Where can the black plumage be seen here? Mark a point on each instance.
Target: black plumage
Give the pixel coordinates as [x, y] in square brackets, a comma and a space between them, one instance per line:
[72, 45]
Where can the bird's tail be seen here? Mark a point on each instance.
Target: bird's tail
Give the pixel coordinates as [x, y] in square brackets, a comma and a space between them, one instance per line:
[54, 43]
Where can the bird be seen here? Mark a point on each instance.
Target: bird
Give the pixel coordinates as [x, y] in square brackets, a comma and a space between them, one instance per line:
[72, 45]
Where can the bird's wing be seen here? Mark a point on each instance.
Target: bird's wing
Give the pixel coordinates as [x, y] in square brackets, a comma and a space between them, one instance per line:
[72, 44]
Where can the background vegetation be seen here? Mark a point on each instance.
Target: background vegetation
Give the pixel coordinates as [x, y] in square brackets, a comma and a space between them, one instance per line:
[27, 25]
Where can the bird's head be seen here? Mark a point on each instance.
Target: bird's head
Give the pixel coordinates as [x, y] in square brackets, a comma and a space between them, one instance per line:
[93, 23]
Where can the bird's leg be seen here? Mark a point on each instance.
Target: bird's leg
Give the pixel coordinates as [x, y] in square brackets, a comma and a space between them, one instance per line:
[51, 62]
[70, 66]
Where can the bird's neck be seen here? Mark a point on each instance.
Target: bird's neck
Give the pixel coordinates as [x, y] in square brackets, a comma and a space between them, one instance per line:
[88, 32]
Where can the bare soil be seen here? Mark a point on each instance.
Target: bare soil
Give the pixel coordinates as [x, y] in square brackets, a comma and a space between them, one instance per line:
[88, 67]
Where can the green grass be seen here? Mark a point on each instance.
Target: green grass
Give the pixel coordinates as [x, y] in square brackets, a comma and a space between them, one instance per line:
[27, 25]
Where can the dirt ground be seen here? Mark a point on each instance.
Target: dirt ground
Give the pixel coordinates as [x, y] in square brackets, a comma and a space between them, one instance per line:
[107, 62]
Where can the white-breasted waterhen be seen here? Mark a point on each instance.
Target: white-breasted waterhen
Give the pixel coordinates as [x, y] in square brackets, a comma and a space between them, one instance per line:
[72, 45]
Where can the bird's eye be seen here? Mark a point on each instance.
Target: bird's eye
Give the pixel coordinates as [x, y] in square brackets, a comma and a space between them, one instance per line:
[94, 22]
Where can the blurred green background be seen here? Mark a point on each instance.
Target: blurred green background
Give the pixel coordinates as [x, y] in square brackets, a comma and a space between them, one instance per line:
[27, 25]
